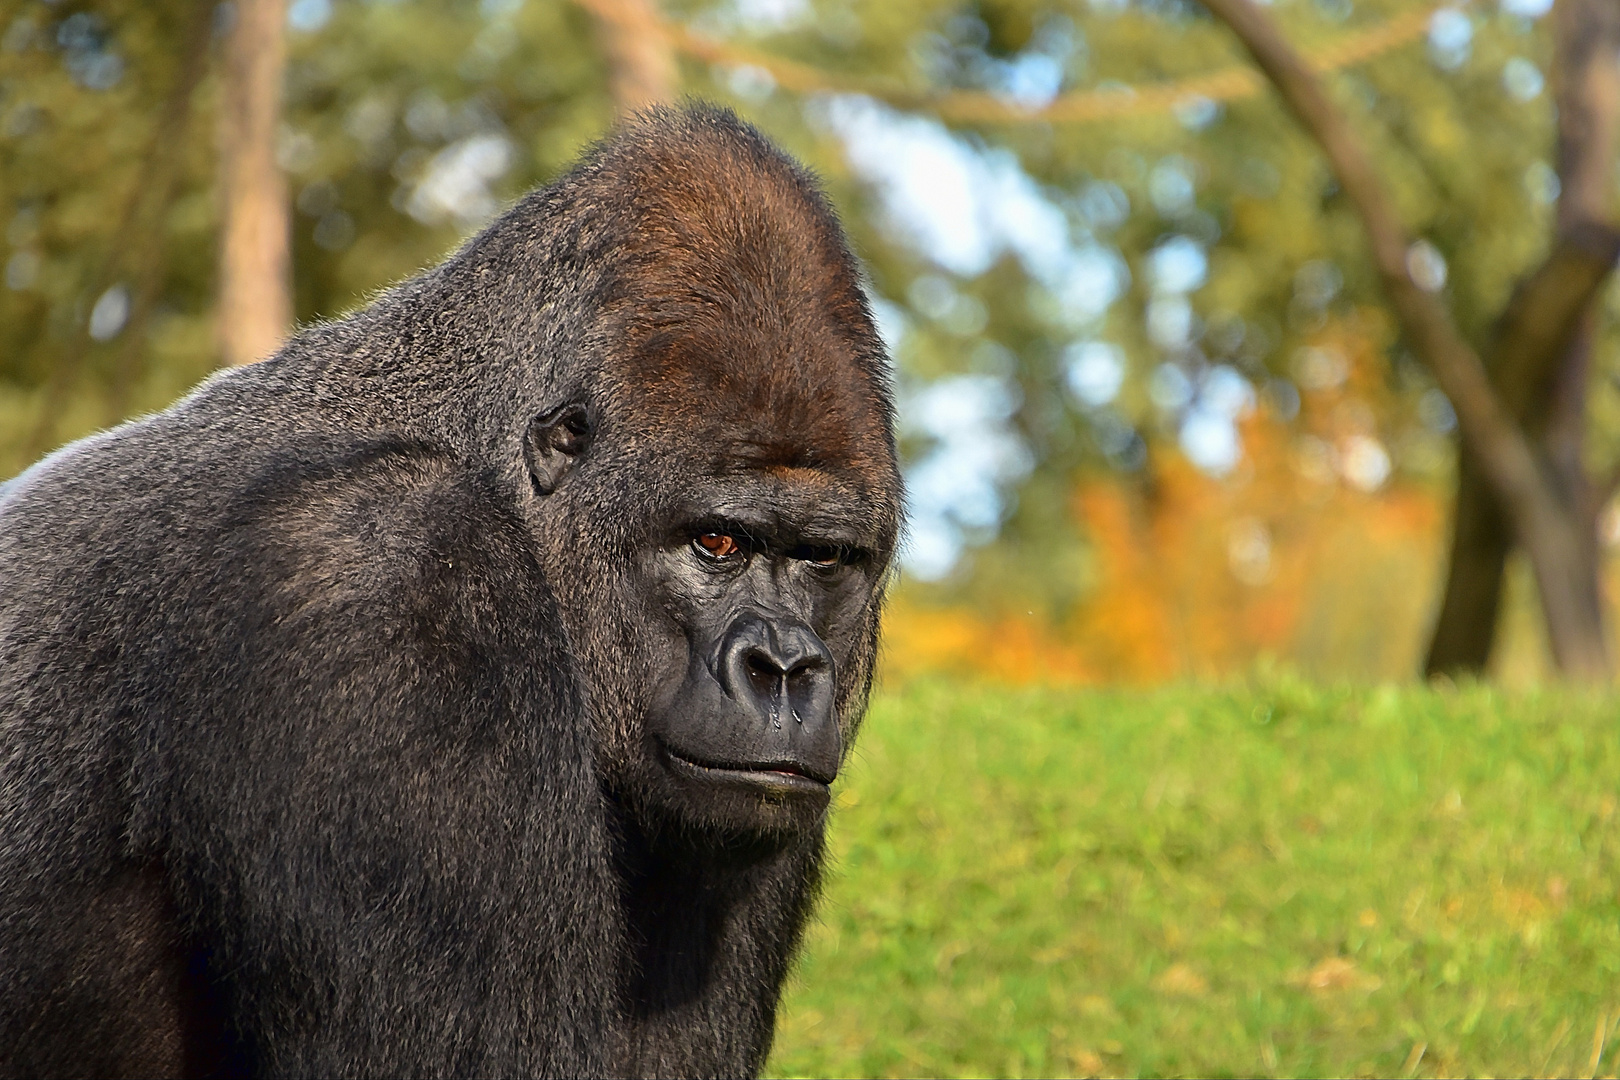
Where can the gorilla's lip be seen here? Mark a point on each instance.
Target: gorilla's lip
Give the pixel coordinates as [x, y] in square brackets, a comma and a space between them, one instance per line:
[780, 775]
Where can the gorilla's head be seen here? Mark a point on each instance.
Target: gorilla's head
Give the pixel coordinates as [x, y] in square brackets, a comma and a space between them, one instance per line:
[717, 490]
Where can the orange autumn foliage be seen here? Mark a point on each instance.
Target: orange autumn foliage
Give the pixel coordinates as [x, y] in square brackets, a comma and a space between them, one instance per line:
[1198, 577]
[1343, 588]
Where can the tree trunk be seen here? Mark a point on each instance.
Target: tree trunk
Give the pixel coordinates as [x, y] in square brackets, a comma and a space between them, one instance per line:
[1481, 539]
[1542, 326]
[255, 302]
[1551, 534]
[1543, 380]
[641, 63]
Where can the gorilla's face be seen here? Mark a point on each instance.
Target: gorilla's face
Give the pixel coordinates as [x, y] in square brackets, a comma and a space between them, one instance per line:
[765, 584]
[726, 637]
[725, 509]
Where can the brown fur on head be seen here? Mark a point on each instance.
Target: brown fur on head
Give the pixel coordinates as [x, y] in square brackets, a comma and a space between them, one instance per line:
[739, 306]
[739, 378]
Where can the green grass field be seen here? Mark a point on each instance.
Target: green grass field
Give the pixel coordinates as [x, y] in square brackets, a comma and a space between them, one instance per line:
[1267, 879]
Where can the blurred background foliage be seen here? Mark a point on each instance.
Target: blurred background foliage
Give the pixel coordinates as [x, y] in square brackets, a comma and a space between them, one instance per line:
[1157, 423]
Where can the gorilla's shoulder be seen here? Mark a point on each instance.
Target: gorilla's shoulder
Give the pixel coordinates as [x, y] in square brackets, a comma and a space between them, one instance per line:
[387, 520]
[325, 535]
[383, 555]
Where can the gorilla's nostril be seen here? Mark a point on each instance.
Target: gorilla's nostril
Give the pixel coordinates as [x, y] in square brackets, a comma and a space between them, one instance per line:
[807, 665]
[779, 683]
[776, 669]
[764, 674]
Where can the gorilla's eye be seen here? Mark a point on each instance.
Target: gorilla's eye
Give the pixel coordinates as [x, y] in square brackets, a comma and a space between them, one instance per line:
[824, 557]
[717, 546]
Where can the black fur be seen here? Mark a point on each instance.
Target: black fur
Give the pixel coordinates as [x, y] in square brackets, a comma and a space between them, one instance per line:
[324, 694]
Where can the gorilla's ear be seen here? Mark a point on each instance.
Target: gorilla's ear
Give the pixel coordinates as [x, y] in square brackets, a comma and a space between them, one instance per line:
[553, 442]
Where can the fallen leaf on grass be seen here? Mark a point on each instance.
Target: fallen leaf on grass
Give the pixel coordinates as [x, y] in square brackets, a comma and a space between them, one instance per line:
[1521, 906]
[1336, 973]
[1181, 980]
[1087, 1063]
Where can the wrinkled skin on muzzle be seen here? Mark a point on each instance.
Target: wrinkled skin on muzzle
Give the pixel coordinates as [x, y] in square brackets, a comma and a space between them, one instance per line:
[760, 698]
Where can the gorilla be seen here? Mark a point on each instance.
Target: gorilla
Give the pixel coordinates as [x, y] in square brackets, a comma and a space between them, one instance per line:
[458, 691]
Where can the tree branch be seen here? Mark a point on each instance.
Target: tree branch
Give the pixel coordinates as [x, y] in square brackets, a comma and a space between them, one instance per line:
[1082, 106]
[1544, 316]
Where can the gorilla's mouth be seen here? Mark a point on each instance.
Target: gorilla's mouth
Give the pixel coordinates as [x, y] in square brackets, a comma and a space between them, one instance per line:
[786, 777]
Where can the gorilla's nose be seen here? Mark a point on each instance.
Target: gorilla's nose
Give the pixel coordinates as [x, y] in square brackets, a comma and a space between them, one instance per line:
[779, 671]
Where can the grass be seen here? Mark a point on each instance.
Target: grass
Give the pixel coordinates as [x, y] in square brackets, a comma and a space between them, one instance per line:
[1268, 879]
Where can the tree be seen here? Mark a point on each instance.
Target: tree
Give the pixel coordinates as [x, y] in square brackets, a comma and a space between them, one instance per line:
[1553, 528]
[641, 63]
[255, 304]
[1541, 359]
[405, 125]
